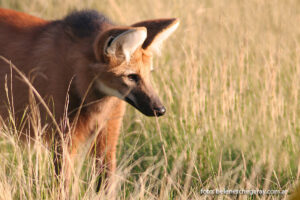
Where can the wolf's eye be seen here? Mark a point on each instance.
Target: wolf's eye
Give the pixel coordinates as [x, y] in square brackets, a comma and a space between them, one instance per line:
[134, 77]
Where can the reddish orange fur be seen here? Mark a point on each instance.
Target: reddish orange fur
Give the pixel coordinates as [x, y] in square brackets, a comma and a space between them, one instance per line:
[19, 20]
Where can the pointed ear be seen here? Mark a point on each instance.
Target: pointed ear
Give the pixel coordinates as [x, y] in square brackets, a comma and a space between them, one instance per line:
[125, 43]
[157, 31]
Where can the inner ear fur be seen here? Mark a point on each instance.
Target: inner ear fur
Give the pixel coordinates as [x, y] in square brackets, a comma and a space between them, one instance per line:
[102, 39]
[107, 38]
[155, 28]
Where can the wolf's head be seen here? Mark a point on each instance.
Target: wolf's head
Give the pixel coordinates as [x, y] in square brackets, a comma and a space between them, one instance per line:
[123, 63]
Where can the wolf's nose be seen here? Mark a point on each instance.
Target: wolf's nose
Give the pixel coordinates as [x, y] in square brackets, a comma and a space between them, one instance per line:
[160, 111]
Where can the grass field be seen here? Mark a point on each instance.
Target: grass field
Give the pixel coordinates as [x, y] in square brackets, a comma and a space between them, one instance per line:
[230, 80]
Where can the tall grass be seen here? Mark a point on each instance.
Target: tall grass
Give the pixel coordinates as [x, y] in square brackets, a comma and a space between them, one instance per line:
[230, 79]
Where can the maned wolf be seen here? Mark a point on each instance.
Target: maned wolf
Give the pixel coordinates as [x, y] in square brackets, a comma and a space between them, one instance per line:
[82, 65]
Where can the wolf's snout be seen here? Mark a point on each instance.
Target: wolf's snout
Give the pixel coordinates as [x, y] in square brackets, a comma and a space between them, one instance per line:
[159, 111]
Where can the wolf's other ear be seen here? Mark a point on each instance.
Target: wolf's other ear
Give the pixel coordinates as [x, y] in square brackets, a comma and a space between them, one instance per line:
[124, 44]
[157, 31]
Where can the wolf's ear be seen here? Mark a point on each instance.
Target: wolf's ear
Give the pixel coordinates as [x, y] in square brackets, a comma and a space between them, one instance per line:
[119, 42]
[123, 43]
[157, 31]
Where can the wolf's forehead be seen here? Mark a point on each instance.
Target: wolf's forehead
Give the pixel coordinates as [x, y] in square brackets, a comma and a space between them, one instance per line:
[138, 63]
[143, 64]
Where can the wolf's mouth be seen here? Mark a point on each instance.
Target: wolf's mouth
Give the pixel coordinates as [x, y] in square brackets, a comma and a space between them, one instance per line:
[143, 109]
[131, 102]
